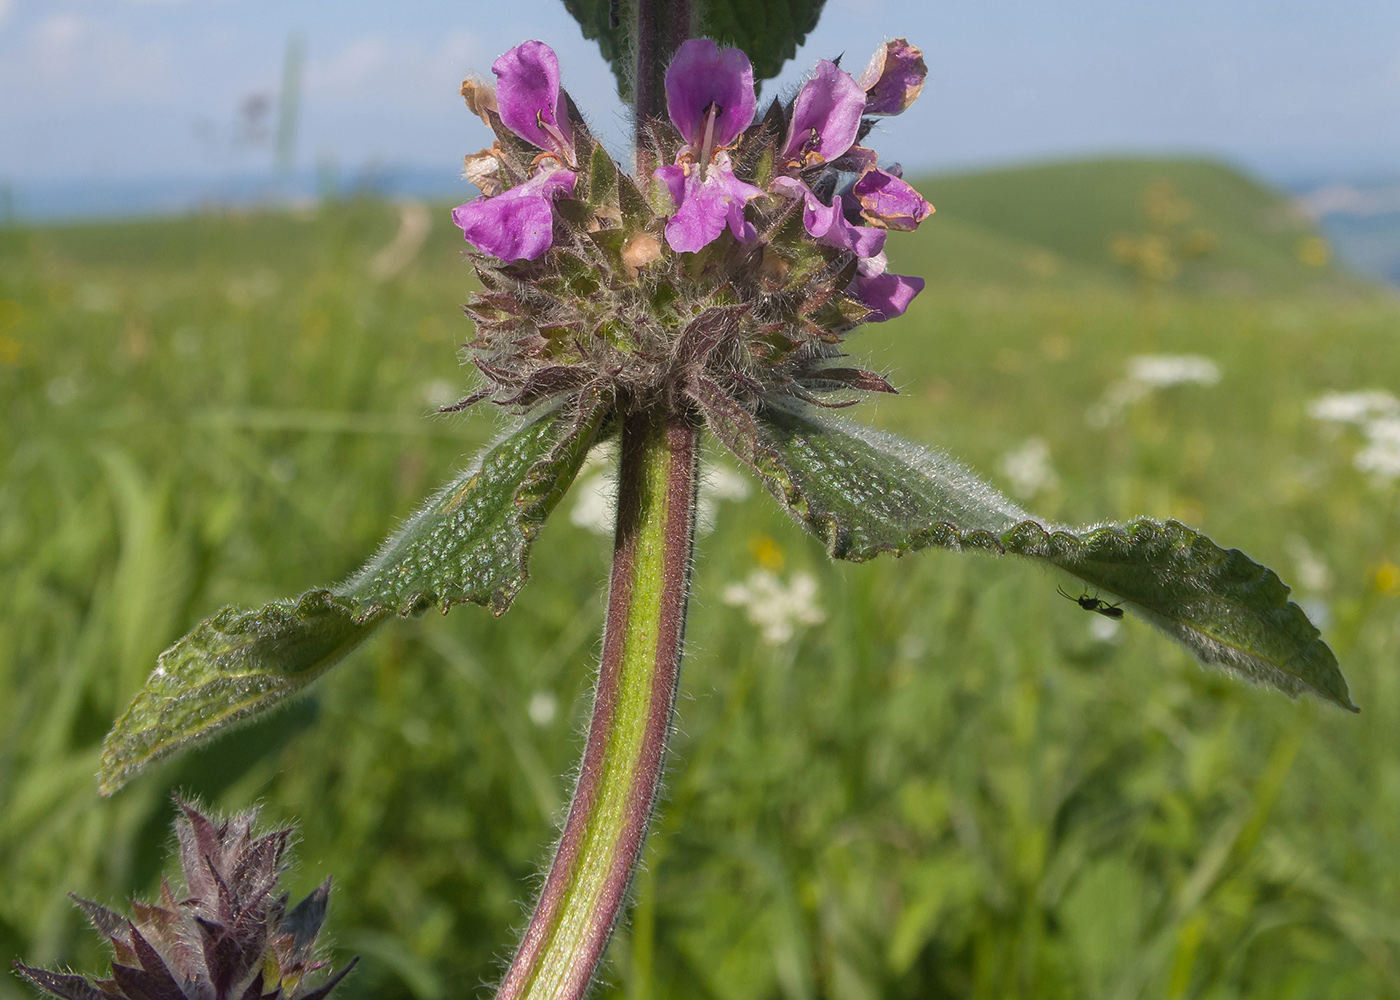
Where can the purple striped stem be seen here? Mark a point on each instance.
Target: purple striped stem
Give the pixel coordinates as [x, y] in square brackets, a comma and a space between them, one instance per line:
[625, 755]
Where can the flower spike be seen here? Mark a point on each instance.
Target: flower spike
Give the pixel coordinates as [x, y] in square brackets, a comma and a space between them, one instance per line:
[592, 299]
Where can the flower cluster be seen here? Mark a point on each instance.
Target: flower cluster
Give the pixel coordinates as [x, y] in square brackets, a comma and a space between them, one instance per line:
[225, 934]
[731, 275]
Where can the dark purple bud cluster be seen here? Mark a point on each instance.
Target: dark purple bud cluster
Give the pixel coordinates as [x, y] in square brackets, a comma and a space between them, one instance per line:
[226, 934]
[734, 277]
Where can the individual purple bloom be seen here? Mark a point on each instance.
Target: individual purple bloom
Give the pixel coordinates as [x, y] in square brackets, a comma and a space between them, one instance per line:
[709, 93]
[517, 224]
[893, 78]
[705, 203]
[825, 117]
[527, 98]
[885, 200]
[885, 295]
[827, 223]
[825, 121]
[710, 98]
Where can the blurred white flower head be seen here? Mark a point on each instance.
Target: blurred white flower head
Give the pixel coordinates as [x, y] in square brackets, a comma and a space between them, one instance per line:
[1148, 373]
[1103, 629]
[718, 483]
[1312, 570]
[439, 392]
[1354, 407]
[1027, 468]
[1381, 456]
[1377, 413]
[777, 608]
[595, 494]
[543, 708]
[1158, 371]
[596, 505]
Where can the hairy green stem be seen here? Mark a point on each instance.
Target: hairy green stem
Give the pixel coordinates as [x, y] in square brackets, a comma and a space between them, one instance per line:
[632, 707]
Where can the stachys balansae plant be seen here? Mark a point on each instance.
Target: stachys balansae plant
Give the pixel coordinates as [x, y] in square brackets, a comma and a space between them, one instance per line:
[711, 291]
[223, 933]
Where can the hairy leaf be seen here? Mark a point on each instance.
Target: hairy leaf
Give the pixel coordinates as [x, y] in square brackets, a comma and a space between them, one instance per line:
[769, 31]
[864, 492]
[468, 544]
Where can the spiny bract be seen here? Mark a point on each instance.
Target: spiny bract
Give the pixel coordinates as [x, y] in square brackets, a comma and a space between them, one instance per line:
[224, 935]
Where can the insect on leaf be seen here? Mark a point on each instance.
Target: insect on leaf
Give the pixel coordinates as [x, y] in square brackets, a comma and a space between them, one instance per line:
[864, 492]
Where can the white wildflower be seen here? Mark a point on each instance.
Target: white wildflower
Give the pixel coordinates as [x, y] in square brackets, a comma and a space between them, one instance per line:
[1158, 371]
[596, 492]
[1354, 407]
[1381, 456]
[777, 608]
[1311, 568]
[62, 390]
[543, 708]
[439, 393]
[718, 484]
[1102, 629]
[1377, 413]
[595, 503]
[1027, 468]
[1148, 373]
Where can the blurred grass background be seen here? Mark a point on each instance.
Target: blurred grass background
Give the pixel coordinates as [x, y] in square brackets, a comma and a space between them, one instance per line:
[955, 786]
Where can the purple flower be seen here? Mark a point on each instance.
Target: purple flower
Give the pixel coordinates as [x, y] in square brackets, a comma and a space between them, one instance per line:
[827, 223]
[705, 203]
[825, 118]
[886, 295]
[825, 121]
[893, 78]
[528, 98]
[710, 98]
[885, 200]
[518, 224]
[709, 93]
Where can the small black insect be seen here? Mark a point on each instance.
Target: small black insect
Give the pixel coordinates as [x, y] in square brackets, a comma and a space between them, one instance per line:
[1094, 604]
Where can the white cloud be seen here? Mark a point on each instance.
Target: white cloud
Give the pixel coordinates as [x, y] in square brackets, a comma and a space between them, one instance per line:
[7, 7]
[378, 70]
[71, 59]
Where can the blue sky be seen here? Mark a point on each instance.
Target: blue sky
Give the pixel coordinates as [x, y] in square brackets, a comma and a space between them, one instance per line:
[111, 89]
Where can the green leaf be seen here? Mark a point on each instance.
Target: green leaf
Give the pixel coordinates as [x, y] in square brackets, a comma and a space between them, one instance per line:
[469, 543]
[864, 492]
[769, 31]
[228, 669]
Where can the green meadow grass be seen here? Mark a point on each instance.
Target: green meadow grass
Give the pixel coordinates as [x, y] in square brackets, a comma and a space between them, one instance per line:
[952, 787]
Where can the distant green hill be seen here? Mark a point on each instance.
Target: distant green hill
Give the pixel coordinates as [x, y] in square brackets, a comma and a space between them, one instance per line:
[1059, 220]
